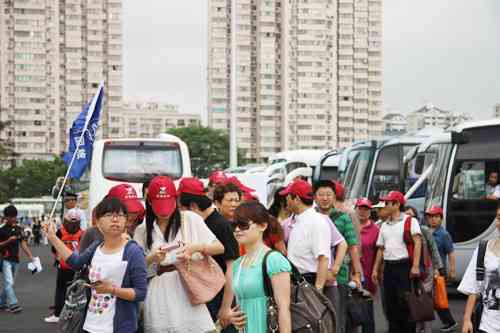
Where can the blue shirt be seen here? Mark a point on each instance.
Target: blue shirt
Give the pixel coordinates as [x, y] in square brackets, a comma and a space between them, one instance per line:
[444, 244]
[127, 312]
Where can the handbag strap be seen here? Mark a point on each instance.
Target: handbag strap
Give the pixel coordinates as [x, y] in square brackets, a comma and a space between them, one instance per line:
[480, 261]
[296, 277]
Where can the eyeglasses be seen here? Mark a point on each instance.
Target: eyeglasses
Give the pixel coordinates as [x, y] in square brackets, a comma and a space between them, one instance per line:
[114, 215]
[242, 225]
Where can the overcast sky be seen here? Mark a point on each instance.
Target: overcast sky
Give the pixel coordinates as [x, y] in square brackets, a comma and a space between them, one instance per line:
[445, 52]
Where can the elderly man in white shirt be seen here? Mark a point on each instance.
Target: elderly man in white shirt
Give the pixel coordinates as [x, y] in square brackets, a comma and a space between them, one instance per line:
[399, 265]
[309, 240]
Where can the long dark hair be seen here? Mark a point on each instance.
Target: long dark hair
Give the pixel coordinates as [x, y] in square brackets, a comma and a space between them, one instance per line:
[279, 203]
[254, 211]
[173, 226]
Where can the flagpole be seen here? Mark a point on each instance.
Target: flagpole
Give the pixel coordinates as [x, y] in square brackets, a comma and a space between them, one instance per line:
[233, 150]
[73, 158]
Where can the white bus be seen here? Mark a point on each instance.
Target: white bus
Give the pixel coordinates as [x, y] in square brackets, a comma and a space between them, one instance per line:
[134, 161]
[455, 167]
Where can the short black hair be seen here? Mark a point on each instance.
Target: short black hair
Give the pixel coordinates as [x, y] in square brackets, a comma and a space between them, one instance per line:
[221, 190]
[110, 205]
[202, 201]
[10, 211]
[324, 183]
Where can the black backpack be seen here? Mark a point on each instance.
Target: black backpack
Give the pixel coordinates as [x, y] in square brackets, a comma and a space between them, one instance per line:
[480, 272]
[311, 311]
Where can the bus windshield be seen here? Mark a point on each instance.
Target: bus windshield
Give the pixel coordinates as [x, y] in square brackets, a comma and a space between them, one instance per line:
[357, 173]
[136, 162]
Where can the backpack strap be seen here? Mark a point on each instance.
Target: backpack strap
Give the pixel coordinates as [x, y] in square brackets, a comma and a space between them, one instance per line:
[408, 240]
[480, 272]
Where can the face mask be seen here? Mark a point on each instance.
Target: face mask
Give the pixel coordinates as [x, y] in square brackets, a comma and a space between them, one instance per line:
[71, 227]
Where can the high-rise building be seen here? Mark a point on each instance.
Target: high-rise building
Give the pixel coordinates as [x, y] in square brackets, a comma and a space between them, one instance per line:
[148, 120]
[53, 55]
[308, 72]
[394, 123]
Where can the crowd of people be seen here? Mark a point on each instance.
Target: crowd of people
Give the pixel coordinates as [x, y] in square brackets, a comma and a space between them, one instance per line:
[137, 257]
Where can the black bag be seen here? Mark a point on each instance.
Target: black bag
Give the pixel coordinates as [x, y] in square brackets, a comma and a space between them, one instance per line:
[73, 314]
[358, 308]
[311, 311]
[480, 272]
[420, 303]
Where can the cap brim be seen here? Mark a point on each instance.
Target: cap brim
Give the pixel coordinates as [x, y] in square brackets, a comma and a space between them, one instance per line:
[284, 192]
[134, 206]
[163, 207]
[364, 205]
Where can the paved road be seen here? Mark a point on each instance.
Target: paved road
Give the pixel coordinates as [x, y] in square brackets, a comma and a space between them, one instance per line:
[35, 293]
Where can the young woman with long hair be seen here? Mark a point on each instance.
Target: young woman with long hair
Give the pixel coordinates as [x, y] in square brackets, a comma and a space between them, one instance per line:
[117, 271]
[251, 225]
[169, 235]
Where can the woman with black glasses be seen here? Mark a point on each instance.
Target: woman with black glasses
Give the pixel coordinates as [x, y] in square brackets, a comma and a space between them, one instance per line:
[252, 222]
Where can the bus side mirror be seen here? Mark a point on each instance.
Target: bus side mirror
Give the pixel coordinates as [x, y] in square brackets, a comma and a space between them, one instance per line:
[419, 164]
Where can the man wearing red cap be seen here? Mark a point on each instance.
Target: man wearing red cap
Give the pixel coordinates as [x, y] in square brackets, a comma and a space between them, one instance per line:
[310, 238]
[446, 250]
[369, 234]
[193, 197]
[399, 266]
[216, 178]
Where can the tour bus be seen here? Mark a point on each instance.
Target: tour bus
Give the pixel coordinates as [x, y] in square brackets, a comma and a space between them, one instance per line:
[455, 167]
[375, 167]
[327, 167]
[134, 161]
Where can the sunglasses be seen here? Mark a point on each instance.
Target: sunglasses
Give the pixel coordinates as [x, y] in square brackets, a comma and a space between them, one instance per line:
[242, 225]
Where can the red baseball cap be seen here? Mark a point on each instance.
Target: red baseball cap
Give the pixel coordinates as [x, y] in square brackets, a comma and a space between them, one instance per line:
[434, 210]
[300, 188]
[217, 177]
[191, 185]
[162, 195]
[364, 202]
[128, 196]
[241, 186]
[339, 190]
[394, 196]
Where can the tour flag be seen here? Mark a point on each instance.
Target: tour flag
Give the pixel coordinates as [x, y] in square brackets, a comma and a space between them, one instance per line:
[82, 136]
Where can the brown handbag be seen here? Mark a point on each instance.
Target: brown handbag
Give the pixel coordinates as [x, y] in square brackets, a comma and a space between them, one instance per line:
[202, 278]
[420, 303]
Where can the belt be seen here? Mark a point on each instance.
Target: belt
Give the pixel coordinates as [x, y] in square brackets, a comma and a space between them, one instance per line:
[397, 262]
[165, 269]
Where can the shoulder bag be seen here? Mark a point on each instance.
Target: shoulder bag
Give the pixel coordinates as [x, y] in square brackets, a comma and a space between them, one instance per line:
[420, 303]
[311, 311]
[203, 278]
[480, 273]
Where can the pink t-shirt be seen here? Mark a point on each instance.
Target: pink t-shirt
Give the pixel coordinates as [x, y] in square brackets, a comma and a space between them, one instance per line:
[369, 236]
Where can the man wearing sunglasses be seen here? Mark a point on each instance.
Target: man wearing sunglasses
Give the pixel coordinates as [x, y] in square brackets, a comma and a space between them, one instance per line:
[310, 238]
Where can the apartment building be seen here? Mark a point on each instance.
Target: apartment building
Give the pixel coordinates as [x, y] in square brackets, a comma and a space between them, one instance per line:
[394, 123]
[148, 120]
[432, 116]
[53, 55]
[308, 73]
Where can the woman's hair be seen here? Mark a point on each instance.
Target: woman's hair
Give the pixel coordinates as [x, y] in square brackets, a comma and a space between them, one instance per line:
[221, 190]
[279, 202]
[254, 211]
[414, 210]
[109, 205]
[173, 225]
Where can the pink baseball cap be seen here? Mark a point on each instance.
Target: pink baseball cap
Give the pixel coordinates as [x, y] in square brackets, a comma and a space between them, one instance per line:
[364, 202]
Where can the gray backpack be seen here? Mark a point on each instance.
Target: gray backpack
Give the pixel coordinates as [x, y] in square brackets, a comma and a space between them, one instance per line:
[73, 314]
[311, 311]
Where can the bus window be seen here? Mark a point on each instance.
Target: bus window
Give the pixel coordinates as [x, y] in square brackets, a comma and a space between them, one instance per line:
[469, 181]
[387, 172]
[135, 164]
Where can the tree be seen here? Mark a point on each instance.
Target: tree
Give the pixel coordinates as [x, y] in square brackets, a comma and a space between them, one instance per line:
[208, 148]
[33, 178]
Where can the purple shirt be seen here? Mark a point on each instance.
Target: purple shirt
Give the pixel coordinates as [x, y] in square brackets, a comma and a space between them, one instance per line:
[336, 237]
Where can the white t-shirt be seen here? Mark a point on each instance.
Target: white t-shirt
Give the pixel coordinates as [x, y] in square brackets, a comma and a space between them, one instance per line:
[490, 321]
[310, 237]
[391, 237]
[101, 309]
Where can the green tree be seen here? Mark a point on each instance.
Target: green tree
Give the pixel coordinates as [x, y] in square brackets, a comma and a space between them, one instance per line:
[31, 179]
[208, 148]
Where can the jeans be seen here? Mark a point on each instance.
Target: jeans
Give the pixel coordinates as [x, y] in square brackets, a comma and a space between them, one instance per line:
[8, 296]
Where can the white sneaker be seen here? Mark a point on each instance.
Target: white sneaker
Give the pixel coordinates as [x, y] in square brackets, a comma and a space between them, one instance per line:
[52, 319]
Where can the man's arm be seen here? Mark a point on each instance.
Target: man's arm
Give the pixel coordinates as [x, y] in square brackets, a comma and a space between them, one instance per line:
[26, 250]
[377, 265]
[340, 252]
[322, 273]
[453, 265]
[356, 264]
[415, 269]
[8, 241]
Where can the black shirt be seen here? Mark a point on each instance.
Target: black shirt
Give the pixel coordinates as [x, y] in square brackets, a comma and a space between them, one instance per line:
[222, 229]
[10, 252]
